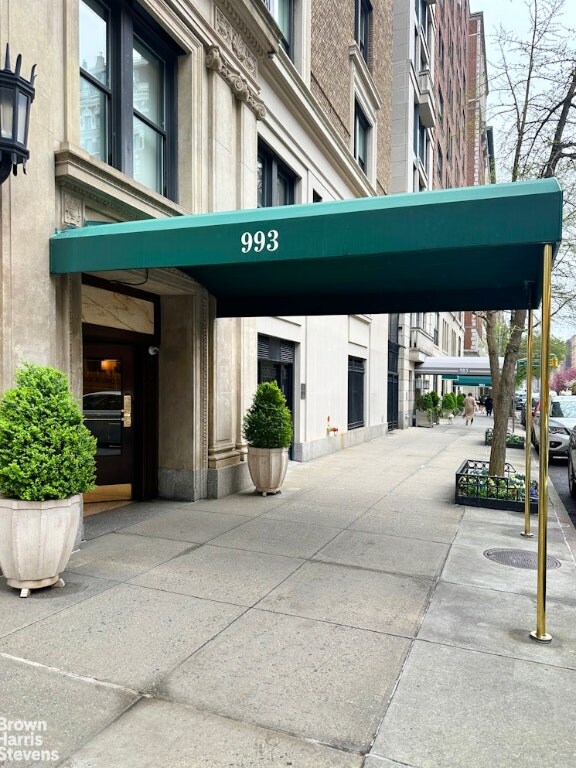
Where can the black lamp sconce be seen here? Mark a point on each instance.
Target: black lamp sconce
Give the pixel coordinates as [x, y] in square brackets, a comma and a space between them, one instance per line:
[16, 96]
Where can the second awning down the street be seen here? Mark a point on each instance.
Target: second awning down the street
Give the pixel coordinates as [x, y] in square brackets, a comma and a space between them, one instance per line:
[456, 366]
[456, 249]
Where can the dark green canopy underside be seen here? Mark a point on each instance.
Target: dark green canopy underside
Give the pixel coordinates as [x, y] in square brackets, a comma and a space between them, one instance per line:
[446, 250]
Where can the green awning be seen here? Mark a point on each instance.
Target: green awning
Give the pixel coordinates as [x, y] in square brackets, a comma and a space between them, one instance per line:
[470, 381]
[456, 249]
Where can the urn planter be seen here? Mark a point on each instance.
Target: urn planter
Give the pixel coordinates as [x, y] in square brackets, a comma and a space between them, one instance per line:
[267, 467]
[46, 464]
[36, 540]
[267, 427]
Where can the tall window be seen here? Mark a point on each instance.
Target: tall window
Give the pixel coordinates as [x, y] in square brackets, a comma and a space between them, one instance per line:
[361, 135]
[127, 93]
[276, 181]
[283, 13]
[355, 392]
[439, 163]
[422, 13]
[363, 16]
[420, 137]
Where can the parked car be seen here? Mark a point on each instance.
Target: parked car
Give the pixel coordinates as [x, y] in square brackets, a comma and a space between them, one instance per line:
[572, 464]
[535, 399]
[561, 422]
[519, 400]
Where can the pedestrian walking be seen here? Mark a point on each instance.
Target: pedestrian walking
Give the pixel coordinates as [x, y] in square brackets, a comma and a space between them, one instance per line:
[489, 404]
[469, 408]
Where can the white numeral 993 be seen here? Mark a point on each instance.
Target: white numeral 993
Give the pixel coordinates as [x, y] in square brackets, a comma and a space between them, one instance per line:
[258, 241]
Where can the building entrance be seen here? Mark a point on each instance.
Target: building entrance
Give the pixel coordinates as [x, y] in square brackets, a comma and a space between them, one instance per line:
[109, 409]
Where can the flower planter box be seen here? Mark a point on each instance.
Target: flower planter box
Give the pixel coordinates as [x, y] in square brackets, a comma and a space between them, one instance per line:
[476, 488]
[512, 441]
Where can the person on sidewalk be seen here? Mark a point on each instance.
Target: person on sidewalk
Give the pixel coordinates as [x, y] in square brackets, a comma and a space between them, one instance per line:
[469, 408]
[489, 405]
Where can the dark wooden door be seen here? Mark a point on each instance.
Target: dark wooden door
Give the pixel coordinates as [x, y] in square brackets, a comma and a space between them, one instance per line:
[109, 409]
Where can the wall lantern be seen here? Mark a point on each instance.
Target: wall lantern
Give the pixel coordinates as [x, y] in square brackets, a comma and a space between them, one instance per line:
[16, 95]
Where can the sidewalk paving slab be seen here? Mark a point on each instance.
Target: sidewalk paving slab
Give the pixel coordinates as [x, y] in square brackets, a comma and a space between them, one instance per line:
[232, 576]
[313, 679]
[159, 733]
[66, 711]
[382, 602]
[466, 709]
[128, 635]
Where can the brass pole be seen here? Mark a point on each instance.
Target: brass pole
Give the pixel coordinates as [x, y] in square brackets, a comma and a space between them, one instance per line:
[540, 633]
[527, 444]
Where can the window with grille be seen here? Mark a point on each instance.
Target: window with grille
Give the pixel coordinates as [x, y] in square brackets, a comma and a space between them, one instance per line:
[356, 367]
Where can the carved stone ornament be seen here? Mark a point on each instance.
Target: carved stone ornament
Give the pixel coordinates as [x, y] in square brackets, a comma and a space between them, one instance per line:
[72, 210]
[239, 86]
[236, 42]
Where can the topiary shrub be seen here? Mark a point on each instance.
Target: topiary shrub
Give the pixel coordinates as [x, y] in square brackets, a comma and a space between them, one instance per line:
[46, 451]
[449, 403]
[268, 421]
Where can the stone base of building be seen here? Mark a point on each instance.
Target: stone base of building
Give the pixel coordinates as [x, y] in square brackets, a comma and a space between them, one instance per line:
[182, 484]
[227, 480]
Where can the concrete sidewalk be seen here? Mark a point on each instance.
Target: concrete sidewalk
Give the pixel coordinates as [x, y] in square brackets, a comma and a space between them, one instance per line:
[351, 621]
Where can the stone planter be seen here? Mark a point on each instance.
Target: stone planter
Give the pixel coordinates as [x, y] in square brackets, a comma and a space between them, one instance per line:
[476, 488]
[423, 419]
[36, 540]
[267, 467]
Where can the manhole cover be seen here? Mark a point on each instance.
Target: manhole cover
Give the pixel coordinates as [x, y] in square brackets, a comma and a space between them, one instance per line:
[520, 558]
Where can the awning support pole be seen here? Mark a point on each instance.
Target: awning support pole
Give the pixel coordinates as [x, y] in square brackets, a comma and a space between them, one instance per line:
[527, 441]
[540, 633]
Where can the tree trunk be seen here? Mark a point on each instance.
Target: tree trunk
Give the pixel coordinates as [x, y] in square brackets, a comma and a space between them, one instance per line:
[503, 384]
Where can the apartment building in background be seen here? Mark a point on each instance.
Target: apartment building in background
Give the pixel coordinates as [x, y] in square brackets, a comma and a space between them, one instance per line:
[438, 141]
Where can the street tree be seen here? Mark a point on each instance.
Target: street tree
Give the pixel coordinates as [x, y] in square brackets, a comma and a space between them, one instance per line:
[534, 84]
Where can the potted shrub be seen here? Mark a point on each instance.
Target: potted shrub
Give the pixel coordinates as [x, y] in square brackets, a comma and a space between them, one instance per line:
[425, 411]
[46, 463]
[267, 428]
[449, 404]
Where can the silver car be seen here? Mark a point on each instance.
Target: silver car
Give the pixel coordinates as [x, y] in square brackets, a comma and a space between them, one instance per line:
[561, 422]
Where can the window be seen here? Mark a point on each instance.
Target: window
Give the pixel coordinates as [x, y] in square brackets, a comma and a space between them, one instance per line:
[422, 13]
[439, 163]
[363, 17]
[283, 13]
[128, 93]
[361, 134]
[355, 392]
[420, 138]
[276, 182]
